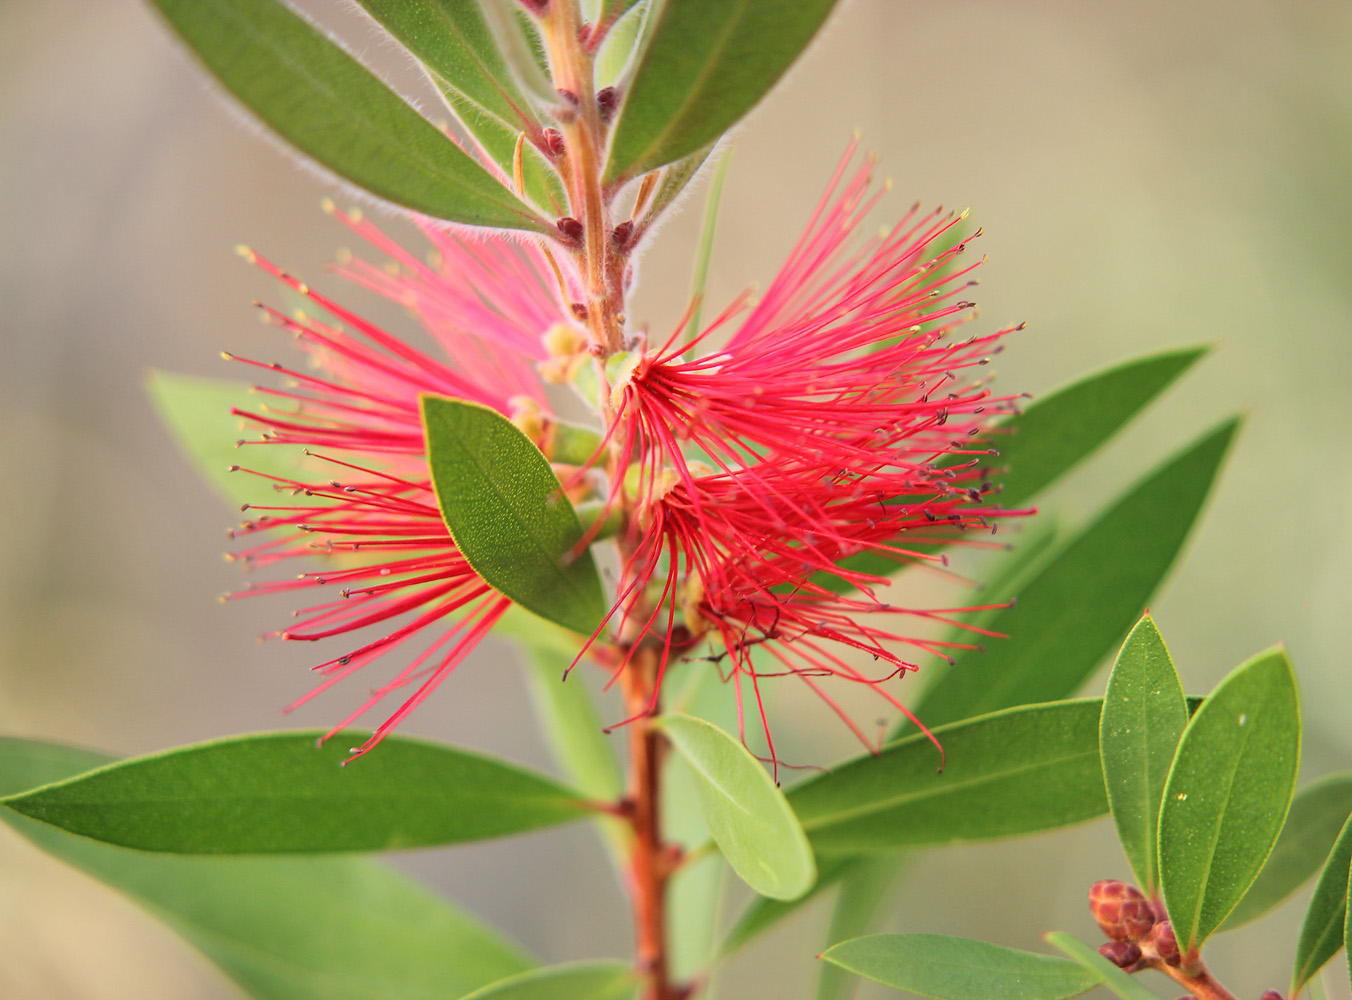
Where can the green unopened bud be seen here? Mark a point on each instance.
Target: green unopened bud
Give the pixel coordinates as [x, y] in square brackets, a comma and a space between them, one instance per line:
[573, 444]
[612, 519]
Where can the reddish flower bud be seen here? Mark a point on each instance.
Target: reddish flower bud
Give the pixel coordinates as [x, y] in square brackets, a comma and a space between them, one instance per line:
[535, 6]
[553, 142]
[579, 310]
[570, 229]
[1122, 911]
[1271, 995]
[1166, 945]
[621, 235]
[1123, 954]
[606, 99]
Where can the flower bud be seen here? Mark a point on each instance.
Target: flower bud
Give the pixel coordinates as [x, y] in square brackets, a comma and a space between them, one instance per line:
[1122, 911]
[1271, 995]
[1166, 945]
[1123, 954]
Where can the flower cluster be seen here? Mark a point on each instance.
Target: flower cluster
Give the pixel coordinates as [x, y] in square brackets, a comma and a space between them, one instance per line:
[754, 462]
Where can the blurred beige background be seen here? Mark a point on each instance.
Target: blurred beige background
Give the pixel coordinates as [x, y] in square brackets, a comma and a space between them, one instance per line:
[1149, 174]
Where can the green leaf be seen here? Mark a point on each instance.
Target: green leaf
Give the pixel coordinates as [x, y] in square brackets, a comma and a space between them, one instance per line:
[1013, 772]
[858, 905]
[1084, 599]
[1322, 934]
[617, 50]
[282, 928]
[1057, 432]
[747, 815]
[1228, 794]
[574, 981]
[1144, 714]
[1115, 979]
[705, 250]
[706, 64]
[1060, 430]
[508, 513]
[953, 968]
[197, 413]
[274, 793]
[326, 104]
[1317, 815]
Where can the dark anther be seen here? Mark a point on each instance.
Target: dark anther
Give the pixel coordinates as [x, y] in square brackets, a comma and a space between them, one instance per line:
[606, 99]
[570, 229]
[553, 142]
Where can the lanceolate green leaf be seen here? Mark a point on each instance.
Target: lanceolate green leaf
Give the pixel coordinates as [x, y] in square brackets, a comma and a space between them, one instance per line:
[282, 928]
[858, 905]
[509, 515]
[1322, 934]
[1115, 979]
[575, 981]
[1077, 607]
[1228, 794]
[330, 107]
[706, 64]
[1144, 714]
[197, 413]
[953, 968]
[747, 815]
[277, 793]
[1018, 771]
[1317, 815]
[1058, 431]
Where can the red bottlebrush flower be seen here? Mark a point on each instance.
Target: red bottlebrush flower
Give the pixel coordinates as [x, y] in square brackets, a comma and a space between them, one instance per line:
[487, 306]
[833, 420]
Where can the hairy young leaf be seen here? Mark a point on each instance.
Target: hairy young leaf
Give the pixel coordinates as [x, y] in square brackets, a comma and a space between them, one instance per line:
[706, 64]
[282, 928]
[747, 815]
[1317, 814]
[508, 513]
[331, 108]
[573, 981]
[1228, 794]
[1077, 607]
[1144, 714]
[1009, 773]
[1321, 936]
[953, 968]
[273, 793]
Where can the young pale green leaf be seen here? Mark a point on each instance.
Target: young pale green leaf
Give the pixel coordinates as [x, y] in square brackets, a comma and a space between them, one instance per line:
[858, 906]
[508, 513]
[747, 815]
[1317, 815]
[1076, 608]
[197, 413]
[1228, 794]
[1058, 431]
[705, 65]
[953, 968]
[1014, 772]
[272, 793]
[1115, 979]
[282, 928]
[621, 41]
[1144, 714]
[1322, 934]
[331, 108]
[573, 981]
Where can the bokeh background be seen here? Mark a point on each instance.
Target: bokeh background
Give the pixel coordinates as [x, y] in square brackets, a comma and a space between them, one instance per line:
[1148, 174]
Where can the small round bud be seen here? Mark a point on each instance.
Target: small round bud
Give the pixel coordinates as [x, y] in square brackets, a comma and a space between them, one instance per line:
[1271, 995]
[1122, 910]
[606, 99]
[1166, 944]
[622, 234]
[570, 229]
[1123, 954]
[553, 142]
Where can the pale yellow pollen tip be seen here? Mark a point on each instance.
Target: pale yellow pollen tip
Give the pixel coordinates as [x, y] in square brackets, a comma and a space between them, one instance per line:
[354, 215]
[303, 288]
[247, 253]
[328, 206]
[964, 213]
[887, 184]
[227, 356]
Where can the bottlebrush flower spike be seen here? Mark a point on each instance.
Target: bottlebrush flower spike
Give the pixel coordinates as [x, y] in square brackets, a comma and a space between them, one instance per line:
[834, 420]
[488, 306]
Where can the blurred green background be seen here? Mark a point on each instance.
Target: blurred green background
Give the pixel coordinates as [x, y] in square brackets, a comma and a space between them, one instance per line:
[1148, 174]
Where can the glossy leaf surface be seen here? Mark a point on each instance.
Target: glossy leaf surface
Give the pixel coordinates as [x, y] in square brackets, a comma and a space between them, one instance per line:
[1317, 814]
[331, 108]
[1144, 714]
[1321, 936]
[278, 793]
[953, 968]
[706, 64]
[508, 513]
[1228, 794]
[1077, 607]
[747, 815]
[574, 981]
[281, 928]
[1010, 773]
